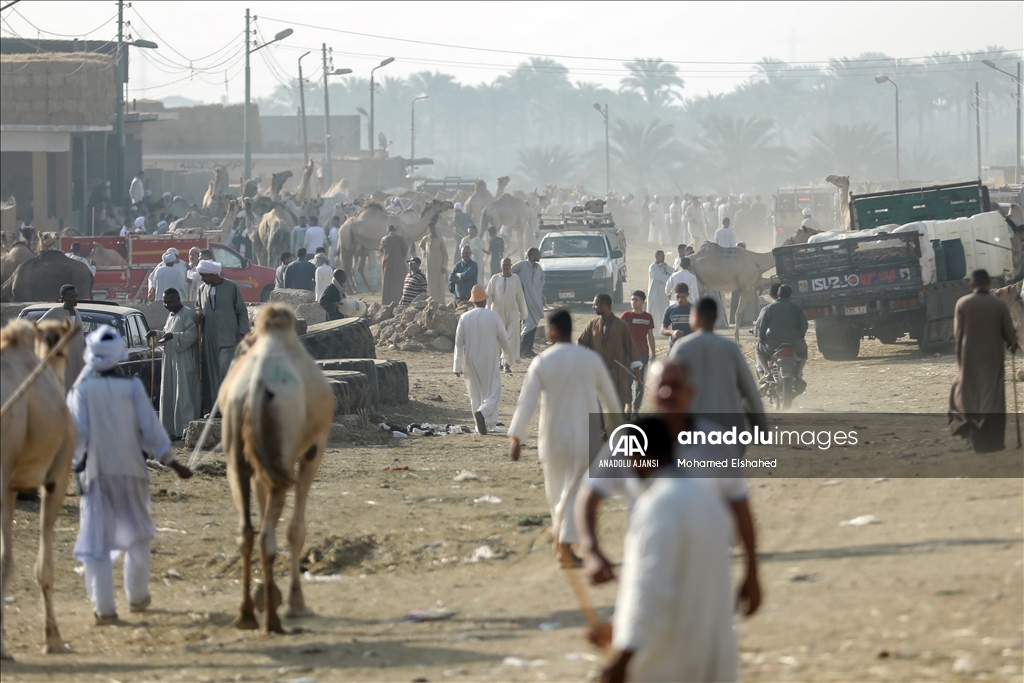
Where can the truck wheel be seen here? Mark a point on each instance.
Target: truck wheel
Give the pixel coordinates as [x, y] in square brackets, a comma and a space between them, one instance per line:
[617, 296]
[265, 293]
[837, 341]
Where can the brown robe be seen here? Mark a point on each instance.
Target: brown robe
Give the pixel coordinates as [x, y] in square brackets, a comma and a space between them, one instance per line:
[393, 250]
[977, 399]
[613, 343]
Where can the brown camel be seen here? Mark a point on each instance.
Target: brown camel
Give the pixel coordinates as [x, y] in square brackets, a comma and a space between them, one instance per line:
[218, 186]
[273, 235]
[364, 232]
[40, 279]
[730, 270]
[18, 254]
[481, 197]
[37, 444]
[515, 213]
[277, 182]
[802, 234]
[277, 409]
[305, 183]
[843, 183]
[251, 188]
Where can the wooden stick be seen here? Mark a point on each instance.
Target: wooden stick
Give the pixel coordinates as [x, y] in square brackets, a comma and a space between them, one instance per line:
[38, 370]
[632, 374]
[1016, 409]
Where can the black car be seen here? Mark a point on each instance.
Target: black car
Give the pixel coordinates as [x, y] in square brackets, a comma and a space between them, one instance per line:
[132, 325]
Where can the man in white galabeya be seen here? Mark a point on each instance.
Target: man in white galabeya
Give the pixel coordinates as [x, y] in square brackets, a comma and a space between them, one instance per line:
[480, 340]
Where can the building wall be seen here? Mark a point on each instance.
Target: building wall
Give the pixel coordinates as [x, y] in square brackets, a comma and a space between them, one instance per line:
[57, 89]
[202, 129]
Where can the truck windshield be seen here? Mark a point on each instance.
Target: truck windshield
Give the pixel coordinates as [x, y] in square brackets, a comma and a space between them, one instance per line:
[576, 246]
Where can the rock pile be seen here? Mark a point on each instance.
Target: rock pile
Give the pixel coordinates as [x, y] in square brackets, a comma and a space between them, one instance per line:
[423, 324]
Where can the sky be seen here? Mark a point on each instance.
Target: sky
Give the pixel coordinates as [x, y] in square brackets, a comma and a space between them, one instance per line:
[714, 44]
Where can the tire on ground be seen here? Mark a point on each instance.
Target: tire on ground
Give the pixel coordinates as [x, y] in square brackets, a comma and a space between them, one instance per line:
[347, 338]
[837, 341]
[367, 366]
[393, 382]
[351, 391]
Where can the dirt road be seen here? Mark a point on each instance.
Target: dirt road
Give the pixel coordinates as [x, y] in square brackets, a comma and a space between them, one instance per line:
[933, 591]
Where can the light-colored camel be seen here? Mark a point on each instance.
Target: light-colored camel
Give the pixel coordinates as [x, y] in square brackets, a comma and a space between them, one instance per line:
[305, 183]
[802, 234]
[194, 222]
[179, 208]
[364, 232]
[102, 257]
[218, 186]
[18, 254]
[251, 188]
[277, 409]
[273, 235]
[476, 203]
[49, 241]
[340, 189]
[843, 183]
[37, 444]
[1011, 297]
[515, 213]
[730, 270]
[227, 225]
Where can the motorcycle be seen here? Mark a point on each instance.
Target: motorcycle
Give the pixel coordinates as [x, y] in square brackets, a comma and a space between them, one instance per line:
[779, 383]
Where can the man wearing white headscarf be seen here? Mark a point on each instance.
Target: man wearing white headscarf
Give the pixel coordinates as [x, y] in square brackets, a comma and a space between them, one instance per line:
[166, 276]
[322, 276]
[224, 321]
[140, 224]
[117, 429]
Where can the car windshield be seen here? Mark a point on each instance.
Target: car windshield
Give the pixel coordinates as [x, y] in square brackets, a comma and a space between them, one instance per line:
[226, 257]
[90, 319]
[575, 246]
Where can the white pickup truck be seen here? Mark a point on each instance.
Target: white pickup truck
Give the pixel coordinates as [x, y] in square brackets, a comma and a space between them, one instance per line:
[583, 254]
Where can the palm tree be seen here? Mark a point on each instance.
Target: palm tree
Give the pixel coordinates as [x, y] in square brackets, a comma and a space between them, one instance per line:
[655, 80]
[742, 152]
[542, 165]
[644, 155]
[861, 150]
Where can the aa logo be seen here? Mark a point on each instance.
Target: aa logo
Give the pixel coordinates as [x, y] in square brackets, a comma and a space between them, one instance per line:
[627, 441]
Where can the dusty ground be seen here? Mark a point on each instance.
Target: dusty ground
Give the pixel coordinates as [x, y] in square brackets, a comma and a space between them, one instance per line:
[935, 591]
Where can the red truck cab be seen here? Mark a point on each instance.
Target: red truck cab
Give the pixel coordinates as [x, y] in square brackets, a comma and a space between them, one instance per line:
[142, 254]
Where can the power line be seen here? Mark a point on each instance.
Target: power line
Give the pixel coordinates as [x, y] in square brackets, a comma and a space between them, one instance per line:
[63, 35]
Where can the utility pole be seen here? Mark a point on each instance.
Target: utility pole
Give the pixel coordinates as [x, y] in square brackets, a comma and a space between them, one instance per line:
[246, 146]
[977, 121]
[412, 131]
[119, 185]
[1020, 153]
[384, 62]
[302, 104]
[607, 149]
[328, 165]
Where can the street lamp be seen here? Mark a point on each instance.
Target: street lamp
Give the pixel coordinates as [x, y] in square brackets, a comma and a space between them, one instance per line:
[383, 63]
[120, 72]
[367, 115]
[886, 79]
[607, 148]
[987, 62]
[249, 49]
[328, 164]
[412, 148]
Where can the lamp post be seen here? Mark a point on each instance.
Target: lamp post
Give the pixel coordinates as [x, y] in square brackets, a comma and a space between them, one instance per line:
[122, 76]
[383, 63]
[302, 105]
[607, 149]
[886, 79]
[987, 62]
[412, 147]
[328, 164]
[367, 115]
[249, 49]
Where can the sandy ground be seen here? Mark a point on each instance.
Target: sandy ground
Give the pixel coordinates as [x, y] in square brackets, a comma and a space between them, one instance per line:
[935, 591]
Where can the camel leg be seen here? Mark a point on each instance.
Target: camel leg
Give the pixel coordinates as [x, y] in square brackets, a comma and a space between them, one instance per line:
[268, 553]
[239, 475]
[6, 557]
[744, 295]
[297, 530]
[51, 499]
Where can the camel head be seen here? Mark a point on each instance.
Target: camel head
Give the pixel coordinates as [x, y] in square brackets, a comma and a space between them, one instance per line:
[275, 317]
[437, 206]
[47, 334]
[479, 186]
[840, 181]
[252, 187]
[278, 180]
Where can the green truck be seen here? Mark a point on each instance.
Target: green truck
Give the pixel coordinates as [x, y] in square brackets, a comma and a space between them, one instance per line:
[873, 286]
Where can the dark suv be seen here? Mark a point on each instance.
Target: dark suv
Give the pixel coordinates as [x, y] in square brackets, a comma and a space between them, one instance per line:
[132, 325]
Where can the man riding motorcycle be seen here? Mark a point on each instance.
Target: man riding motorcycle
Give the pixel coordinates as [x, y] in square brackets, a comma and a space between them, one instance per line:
[783, 322]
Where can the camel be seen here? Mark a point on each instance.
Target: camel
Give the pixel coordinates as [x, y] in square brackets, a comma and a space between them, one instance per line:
[40, 279]
[251, 188]
[273, 235]
[1011, 297]
[18, 254]
[179, 208]
[49, 241]
[227, 225]
[481, 197]
[801, 236]
[515, 213]
[277, 409]
[218, 186]
[277, 182]
[843, 183]
[730, 270]
[364, 232]
[340, 189]
[37, 445]
[193, 221]
[304, 183]
[101, 256]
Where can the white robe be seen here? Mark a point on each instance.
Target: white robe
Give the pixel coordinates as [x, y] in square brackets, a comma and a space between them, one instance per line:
[323, 276]
[684, 276]
[180, 402]
[656, 234]
[505, 297]
[571, 383]
[657, 299]
[480, 339]
[166, 277]
[674, 606]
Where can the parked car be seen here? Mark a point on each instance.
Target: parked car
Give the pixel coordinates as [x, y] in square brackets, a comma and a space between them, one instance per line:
[132, 325]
